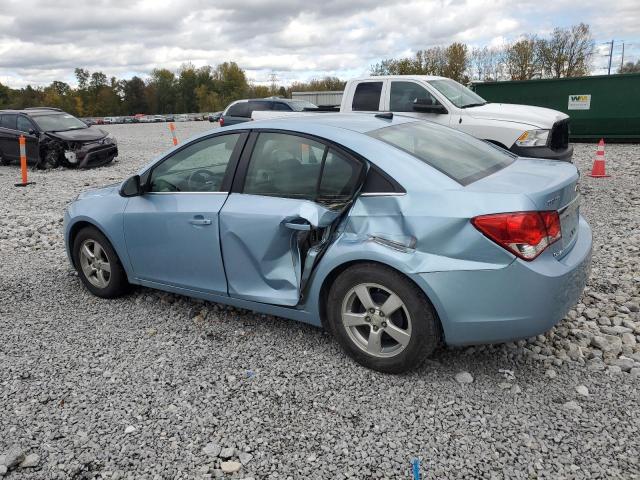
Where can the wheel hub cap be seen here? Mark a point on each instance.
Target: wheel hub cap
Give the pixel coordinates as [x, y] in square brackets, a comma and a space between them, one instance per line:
[95, 263]
[376, 320]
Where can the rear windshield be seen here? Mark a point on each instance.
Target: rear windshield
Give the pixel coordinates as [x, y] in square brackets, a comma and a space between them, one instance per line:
[459, 156]
[301, 105]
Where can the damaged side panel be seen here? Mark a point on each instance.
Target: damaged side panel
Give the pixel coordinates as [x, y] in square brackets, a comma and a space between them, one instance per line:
[430, 232]
[269, 245]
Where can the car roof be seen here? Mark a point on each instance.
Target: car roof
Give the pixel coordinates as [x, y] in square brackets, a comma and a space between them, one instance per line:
[274, 99]
[33, 110]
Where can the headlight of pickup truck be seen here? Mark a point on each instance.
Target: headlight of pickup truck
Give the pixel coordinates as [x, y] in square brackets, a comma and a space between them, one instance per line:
[533, 138]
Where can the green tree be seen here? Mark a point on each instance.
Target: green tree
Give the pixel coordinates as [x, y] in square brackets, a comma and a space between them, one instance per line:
[5, 96]
[186, 85]
[163, 83]
[231, 82]
[207, 100]
[568, 52]
[523, 59]
[135, 99]
[628, 67]
[457, 62]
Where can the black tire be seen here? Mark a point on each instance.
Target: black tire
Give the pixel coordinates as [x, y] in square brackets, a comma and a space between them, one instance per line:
[66, 163]
[4, 160]
[117, 284]
[424, 325]
[51, 160]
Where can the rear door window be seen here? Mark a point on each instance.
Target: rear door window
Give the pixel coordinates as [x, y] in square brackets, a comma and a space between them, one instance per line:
[460, 156]
[8, 121]
[259, 107]
[240, 109]
[23, 124]
[367, 97]
[341, 177]
[291, 166]
[284, 165]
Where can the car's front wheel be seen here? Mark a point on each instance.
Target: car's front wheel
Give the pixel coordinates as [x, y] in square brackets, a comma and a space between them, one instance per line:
[4, 160]
[98, 264]
[382, 319]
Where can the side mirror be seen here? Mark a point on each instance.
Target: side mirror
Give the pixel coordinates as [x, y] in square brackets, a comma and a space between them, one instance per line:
[32, 131]
[131, 187]
[424, 105]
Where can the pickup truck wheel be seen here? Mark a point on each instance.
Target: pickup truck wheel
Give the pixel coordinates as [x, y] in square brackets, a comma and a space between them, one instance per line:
[4, 160]
[382, 320]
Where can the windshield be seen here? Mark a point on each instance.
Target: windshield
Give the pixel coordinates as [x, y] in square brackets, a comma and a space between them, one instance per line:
[57, 122]
[457, 94]
[459, 156]
[301, 105]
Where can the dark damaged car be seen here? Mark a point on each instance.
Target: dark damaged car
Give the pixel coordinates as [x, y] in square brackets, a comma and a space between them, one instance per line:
[54, 138]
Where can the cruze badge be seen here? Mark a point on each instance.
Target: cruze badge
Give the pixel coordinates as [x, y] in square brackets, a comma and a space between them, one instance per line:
[553, 200]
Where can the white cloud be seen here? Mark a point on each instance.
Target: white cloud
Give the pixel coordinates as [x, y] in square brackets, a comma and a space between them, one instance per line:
[44, 40]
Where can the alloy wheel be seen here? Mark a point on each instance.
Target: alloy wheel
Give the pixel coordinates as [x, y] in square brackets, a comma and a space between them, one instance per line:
[376, 320]
[95, 263]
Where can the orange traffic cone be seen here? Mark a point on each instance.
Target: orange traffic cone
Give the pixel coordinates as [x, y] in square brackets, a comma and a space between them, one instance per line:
[598, 169]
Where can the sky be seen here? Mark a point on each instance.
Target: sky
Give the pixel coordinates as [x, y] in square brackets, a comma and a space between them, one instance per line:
[44, 40]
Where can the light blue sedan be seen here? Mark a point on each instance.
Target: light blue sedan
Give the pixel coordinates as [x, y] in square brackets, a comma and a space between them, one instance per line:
[394, 234]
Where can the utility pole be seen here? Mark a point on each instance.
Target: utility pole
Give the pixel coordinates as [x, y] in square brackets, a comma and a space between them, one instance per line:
[610, 57]
[273, 77]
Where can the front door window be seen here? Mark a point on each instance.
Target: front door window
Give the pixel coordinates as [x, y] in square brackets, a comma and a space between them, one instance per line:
[404, 96]
[200, 167]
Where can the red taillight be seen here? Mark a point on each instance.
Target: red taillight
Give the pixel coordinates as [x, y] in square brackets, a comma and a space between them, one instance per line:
[526, 234]
[221, 121]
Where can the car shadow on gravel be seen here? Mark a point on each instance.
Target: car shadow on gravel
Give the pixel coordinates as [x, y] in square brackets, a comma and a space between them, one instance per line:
[218, 324]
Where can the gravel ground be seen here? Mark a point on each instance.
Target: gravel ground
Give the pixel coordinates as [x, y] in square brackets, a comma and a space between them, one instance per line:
[156, 385]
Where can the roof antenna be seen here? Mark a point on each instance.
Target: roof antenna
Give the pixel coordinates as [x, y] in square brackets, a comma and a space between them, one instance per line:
[385, 115]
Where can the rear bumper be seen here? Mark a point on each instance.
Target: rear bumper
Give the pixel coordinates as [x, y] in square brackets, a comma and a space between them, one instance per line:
[543, 152]
[519, 301]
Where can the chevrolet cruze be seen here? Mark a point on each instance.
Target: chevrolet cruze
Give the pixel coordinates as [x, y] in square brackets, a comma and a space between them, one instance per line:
[393, 233]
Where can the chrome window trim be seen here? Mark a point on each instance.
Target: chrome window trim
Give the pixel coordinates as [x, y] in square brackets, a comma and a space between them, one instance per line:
[186, 193]
[383, 194]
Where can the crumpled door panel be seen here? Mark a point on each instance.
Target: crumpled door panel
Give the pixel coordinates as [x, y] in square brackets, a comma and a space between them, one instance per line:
[264, 258]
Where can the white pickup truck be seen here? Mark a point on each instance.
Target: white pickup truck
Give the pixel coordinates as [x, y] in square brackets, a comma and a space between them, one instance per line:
[525, 130]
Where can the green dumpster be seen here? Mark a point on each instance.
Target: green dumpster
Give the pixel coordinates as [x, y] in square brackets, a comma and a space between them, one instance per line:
[603, 106]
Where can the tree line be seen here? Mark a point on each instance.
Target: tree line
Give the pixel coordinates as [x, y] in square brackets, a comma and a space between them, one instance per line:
[566, 52]
[189, 90]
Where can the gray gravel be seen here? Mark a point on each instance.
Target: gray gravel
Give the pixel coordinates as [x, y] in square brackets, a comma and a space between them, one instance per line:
[157, 385]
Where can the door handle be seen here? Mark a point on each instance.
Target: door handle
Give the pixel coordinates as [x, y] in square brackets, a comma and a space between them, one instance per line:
[298, 224]
[200, 220]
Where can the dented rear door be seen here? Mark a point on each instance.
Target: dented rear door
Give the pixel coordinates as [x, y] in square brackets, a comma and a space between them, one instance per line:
[261, 245]
[291, 192]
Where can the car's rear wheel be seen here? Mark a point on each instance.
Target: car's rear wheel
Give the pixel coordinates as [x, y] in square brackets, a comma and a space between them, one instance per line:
[382, 319]
[98, 264]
